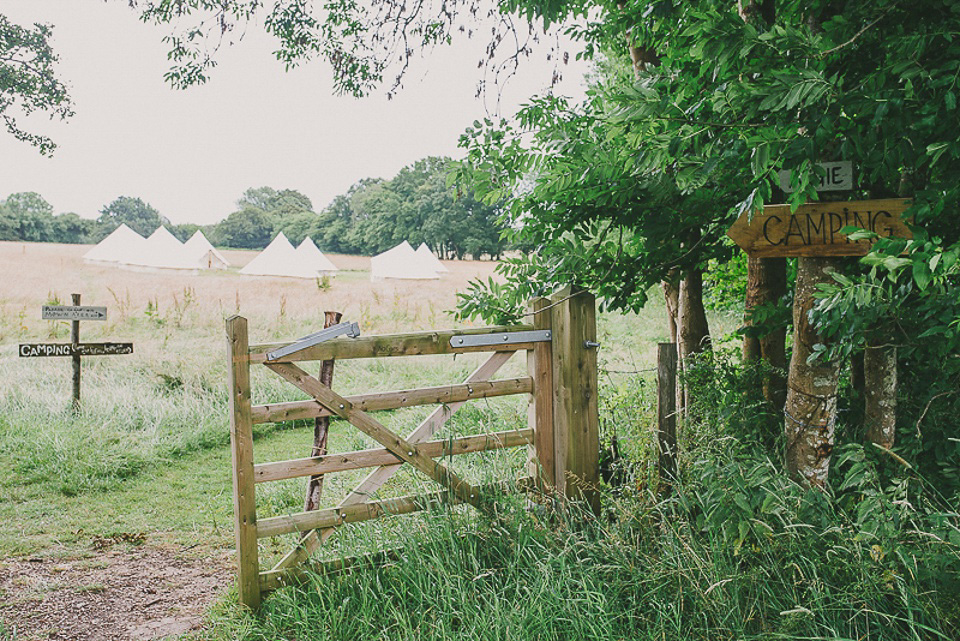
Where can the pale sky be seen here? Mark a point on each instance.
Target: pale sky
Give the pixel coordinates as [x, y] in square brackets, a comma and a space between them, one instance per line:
[192, 153]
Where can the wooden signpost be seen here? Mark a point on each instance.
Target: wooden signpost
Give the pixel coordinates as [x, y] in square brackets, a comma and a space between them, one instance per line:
[812, 233]
[75, 349]
[814, 229]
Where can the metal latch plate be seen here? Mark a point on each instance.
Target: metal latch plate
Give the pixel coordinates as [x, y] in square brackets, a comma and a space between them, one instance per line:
[349, 329]
[501, 338]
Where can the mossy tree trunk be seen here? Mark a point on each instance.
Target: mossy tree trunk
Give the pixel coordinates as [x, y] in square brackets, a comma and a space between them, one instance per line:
[810, 412]
[767, 284]
[880, 394]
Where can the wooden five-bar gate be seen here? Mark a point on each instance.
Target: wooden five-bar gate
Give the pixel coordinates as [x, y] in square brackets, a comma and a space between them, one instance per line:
[562, 433]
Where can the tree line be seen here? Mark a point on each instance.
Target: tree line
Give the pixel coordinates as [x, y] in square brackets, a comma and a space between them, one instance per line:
[375, 214]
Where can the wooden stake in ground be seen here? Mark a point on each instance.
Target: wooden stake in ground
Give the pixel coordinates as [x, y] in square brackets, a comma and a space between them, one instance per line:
[810, 413]
[75, 341]
[576, 421]
[667, 414]
[321, 426]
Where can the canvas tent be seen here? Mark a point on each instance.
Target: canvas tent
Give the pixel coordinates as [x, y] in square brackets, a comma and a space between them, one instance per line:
[312, 254]
[424, 252]
[161, 250]
[280, 259]
[199, 251]
[402, 263]
[121, 242]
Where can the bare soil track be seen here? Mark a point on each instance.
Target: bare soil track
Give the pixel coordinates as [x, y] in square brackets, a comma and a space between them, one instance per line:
[121, 593]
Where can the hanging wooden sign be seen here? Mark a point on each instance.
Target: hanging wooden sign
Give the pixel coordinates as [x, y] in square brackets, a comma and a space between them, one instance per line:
[814, 229]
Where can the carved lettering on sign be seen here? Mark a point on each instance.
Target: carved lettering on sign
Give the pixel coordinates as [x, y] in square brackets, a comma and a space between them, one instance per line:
[814, 229]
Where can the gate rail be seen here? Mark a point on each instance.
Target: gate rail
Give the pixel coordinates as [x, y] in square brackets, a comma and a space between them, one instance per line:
[562, 431]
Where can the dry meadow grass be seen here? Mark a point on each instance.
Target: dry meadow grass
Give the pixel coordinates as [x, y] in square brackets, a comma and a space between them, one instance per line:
[35, 273]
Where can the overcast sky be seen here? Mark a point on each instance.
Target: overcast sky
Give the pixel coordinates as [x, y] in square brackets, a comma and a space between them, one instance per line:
[192, 153]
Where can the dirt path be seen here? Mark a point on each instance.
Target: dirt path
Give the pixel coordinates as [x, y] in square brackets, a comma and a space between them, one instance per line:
[121, 593]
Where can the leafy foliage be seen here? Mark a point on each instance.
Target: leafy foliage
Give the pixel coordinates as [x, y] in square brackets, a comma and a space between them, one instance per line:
[27, 216]
[416, 205]
[249, 228]
[367, 46]
[910, 298]
[28, 81]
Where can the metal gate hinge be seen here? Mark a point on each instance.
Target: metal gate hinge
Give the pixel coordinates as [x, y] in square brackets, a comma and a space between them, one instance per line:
[501, 338]
[340, 329]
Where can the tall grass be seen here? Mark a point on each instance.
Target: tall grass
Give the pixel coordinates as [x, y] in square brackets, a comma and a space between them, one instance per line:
[735, 551]
[654, 570]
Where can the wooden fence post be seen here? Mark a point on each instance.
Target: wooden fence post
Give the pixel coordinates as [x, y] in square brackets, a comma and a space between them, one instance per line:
[75, 341]
[667, 413]
[241, 441]
[576, 416]
[321, 425]
[540, 412]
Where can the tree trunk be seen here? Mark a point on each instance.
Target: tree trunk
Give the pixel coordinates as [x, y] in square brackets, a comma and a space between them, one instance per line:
[856, 374]
[321, 426]
[641, 57]
[671, 298]
[767, 284]
[810, 413]
[880, 386]
[693, 330]
[750, 10]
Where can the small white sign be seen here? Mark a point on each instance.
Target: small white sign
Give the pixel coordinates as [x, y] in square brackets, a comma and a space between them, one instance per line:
[73, 312]
[838, 176]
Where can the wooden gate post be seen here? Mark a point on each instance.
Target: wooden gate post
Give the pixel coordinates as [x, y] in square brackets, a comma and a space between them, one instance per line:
[241, 442]
[576, 417]
[540, 412]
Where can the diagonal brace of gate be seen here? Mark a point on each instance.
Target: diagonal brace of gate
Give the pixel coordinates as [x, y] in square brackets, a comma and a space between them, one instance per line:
[397, 445]
[312, 540]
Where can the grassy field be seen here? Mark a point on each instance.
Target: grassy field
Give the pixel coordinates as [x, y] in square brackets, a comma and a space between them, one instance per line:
[147, 457]
[117, 523]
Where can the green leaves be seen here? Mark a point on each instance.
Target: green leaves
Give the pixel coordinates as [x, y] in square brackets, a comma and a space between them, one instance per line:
[28, 82]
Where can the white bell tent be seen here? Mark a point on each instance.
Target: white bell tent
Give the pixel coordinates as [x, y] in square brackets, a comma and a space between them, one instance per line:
[203, 254]
[312, 254]
[280, 259]
[424, 252]
[161, 250]
[121, 243]
[401, 263]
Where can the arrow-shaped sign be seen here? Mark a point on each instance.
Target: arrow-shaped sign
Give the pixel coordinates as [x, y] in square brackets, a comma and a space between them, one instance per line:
[73, 312]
